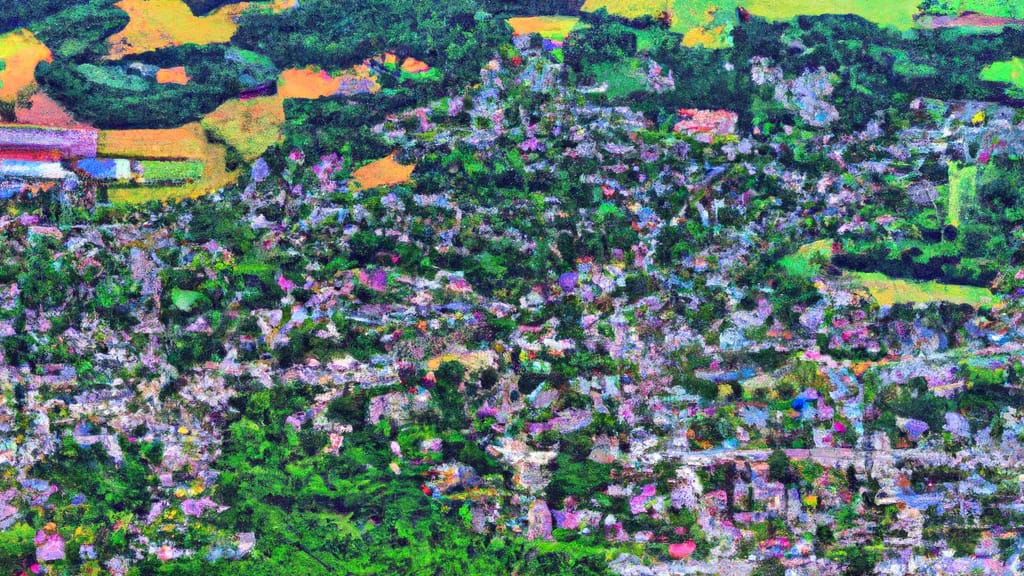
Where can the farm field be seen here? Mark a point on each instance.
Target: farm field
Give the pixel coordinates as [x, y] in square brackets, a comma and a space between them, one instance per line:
[1009, 72]
[176, 75]
[961, 188]
[250, 126]
[188, 142]
[889, 291]
[20, 52]
[550, 27]
[158, 24]
[708, 24]
[384, 172]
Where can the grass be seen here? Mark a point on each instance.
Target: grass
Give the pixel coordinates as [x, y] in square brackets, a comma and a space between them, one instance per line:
[889, 291]
[249, 126]
[897, 14]
[1010, 72]
[800, 265]
[623, 78]
[309, 82]
[1001, 8]
[707, 23]
[632, 9]
[312, 83]
[156, 24]
[186, 142]
[383, 172]
[20, 53]
[961, 188]
[171, 171]
[45, 111]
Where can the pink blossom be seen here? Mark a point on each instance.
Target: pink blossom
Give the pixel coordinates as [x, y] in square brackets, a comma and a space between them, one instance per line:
[682, 550]
[285, 284]
[49, 547]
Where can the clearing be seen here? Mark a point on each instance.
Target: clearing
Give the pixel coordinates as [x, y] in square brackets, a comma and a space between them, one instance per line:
[383, 172]
[20, 53]
[888, 291]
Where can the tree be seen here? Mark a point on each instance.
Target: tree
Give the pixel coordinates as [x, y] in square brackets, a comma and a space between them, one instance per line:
[769, 567]
[779, 466]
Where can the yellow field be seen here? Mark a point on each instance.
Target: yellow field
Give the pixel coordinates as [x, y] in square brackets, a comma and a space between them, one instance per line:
[188, 142]
[550, 27]
[888, 291]
[630, 8]
[472, 361]
[20, 52]
[383, 172]
[250, 126]
[156, 24]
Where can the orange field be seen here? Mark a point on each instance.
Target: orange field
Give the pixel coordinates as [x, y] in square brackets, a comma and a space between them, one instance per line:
[20, 52]
[312, 83]
[176, 75]
[156, 24]
[186, 142]
[414, 66]
[383, 172]
[249, 126]
[45, 111]
[307, 83]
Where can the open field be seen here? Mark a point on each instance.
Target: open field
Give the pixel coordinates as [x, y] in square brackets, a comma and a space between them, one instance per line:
[20, 53]
[214, 177]
[1010, 72]
[187, 142]
[176, 75]
[158, 24]
[800, 263]
[630, 8]
[45, 111]
[961, 188]
[894, 13]
[550, 27]
[706, 23]
[888, 291]
[249, 126]
[383, 172]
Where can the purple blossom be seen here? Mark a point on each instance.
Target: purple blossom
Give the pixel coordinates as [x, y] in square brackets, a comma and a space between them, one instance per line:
[197, 507]
[455, 106]
[915, 428]
[49, 547]
[260, 170]
[567, 282]
[379, 280]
